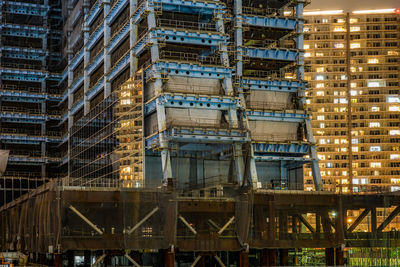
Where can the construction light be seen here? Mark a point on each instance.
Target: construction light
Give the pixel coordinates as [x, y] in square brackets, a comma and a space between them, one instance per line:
[320, 12]
[375, 11]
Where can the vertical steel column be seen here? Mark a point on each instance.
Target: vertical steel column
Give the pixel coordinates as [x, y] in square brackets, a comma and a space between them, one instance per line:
[86, 63]
[133, 37]
[339, 253]
[314, 163]
[107, 54]
[169, 258]
[268, 257]
[283, 257]
[57, 260]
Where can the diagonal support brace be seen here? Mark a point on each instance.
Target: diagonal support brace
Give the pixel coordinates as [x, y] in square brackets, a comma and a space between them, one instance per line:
[187, 225]
[389, 218]
[97, 229]
[99, 259]
[132, 260]
[151, 213]
[226, 225]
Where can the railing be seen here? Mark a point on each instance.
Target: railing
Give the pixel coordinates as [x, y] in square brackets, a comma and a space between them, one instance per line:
[181, 24]
[201, 123]
[20, 88]
[268, 12]
[187, 88]
[22, 66]
[21, 110]
[262, 74]
[184, 56]
[266, 105]
[276, 137]
[15, 131]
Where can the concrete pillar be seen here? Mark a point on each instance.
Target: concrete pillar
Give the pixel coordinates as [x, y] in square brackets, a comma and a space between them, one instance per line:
[42, 259]
[57, 260]
[268, 257]
[244, 259]
[169, 258]
[329, 256]
[339, 256]
[283, 257]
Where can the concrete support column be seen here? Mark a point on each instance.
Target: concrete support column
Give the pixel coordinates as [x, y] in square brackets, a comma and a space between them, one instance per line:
[283, 257]
[268, 257]
[244, 258]
[329, 256]
[169, 258]
[42, 259]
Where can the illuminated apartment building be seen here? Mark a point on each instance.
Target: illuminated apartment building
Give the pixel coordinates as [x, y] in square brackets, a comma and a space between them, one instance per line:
[353, 73]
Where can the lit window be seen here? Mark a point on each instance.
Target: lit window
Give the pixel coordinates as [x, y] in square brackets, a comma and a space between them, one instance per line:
[338, 45]
[340, 20]
[307, 55]
[321, 117]
[306, 46]
[375, 148]
[308, 101]
[393, 99]
[393, 53]
[394, 108]
[375, 109]
[373, 61]
[343, 77]
[353, 20]
[375, 165]
[355, 29]
[306, 29]
[324, 20]
[343, 101]
[394, 132]
[354, 149]
[364, 180]
[395, 156]
[338, 29]
[353, 69]
[320, 85]
[319, 54]
[395, 181]
[320, 93]
[374, 124]
[343, 149]
[322, 141]
[322, 125]
[376, 83]
[319, 77]
[355, 45]
[320, 69]
[345, 181]
[321, 157]
[354, 141]
[337, 141]
[395, 188]
[356, 181]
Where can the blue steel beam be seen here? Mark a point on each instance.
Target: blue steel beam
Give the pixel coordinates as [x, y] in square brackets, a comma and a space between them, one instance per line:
[95, 62]
[24, 139]
[75, 85]
[117, 38]
[76, 60]
[291, 148]
[25, 8]
[20, 159]
[116, 9]
[281, 158]
[22, 96]
[22, 118]
[76, 106]
[188, 70]
[94, 11]
[23, 30]
[119, 67]
[191, 135]
[270, 22]
[95, 89]
[273, 85]
[23, 53]
[276, 116]
[94, 37]
[272, 54]
[193, 102]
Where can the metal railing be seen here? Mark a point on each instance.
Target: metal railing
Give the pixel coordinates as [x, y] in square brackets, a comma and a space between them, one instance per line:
[185, 56]
[277, 137]
[20, 110]
[268, 105]
[22, 66]
[263, 74]
[181, 24]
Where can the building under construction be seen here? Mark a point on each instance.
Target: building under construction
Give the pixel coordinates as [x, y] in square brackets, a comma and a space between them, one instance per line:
[184, 137]
[29, 77]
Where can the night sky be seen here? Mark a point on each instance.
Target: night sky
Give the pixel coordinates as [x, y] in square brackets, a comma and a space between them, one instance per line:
[349, 5]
